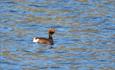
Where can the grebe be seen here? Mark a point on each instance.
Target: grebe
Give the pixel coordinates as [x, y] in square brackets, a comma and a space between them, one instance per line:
[43, 40]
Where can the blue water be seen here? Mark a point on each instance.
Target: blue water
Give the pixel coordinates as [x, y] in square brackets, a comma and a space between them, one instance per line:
[84, 38]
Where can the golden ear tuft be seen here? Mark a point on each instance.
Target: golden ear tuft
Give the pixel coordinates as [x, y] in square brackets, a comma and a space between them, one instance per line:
[51, 31]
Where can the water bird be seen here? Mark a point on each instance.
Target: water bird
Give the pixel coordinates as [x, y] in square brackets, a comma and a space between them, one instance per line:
[43, 40]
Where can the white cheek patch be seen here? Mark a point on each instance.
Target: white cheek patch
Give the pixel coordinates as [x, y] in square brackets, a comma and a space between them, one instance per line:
[35, 40]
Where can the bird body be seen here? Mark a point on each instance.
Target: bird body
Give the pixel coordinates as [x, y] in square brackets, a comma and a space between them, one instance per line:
[43, 40]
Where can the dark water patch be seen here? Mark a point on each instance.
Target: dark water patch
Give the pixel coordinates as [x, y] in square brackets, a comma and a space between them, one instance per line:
[55, 67]
[110, 28]
[69, 63]
[57, 26]
[9, 63]
[108, 24]
[43, 51]
[60, 52]
[63, 41]
[69, 8]
[43, 67]
[3, 35]
[2, 57]
[93, 20]
[9, 2]
[30, 26]
[20, 40]
[75, 40]
[5, 29]
[12, 11]
[27, 51]
[102, 60]
[39, 6]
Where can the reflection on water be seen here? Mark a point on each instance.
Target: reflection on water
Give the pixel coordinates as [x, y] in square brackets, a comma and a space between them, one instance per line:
[84, 39]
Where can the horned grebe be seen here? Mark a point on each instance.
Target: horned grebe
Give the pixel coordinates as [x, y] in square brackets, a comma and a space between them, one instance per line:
[43, 40]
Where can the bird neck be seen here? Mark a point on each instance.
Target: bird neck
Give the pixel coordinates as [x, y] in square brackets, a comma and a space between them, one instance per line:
[51, 38]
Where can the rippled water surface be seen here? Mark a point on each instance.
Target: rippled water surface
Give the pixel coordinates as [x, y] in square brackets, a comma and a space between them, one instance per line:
[84, 38]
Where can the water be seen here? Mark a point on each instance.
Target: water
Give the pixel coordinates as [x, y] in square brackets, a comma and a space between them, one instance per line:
[84, 38]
